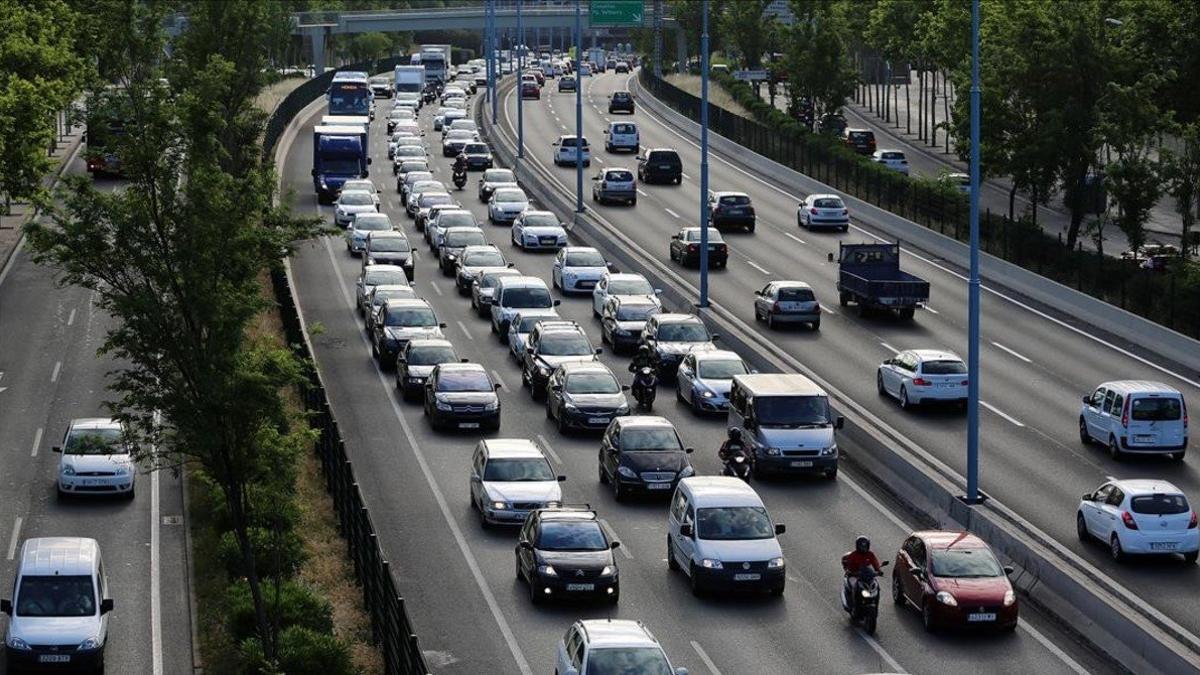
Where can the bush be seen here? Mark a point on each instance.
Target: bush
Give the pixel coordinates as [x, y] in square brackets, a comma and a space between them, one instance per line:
[276, 554]
[301, 652]
[268, 506]
[298, 605]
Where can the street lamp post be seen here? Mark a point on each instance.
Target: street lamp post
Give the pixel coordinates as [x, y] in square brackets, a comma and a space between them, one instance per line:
[704, 214]
[519, 72]
[494, 69]
[972, 496]
[579, 111]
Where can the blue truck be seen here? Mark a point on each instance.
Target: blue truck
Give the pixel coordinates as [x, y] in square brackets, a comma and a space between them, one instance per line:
[339, 155]
[870, 276]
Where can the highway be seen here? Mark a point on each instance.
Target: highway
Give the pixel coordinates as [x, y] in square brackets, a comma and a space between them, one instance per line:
[49, 375]
[1035, 365]
[471, 614]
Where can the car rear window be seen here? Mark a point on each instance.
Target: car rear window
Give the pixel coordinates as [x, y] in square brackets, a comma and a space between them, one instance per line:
[663, 157]
[619, 176]
[944, 368]
[892, 155]
[828, 203]
[796, 295]
[694, 235]
[569, 142]
[1156, 409]
[861, 135]
[735, 200]
[621, 96]
[624, 129]
[1160, 505]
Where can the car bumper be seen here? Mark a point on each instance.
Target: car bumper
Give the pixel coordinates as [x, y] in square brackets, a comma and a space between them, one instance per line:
[538, 243]
[579, 284]
[620, 108]
[617, 194]
[583, 419]
[505, 516]
[944, 615]
[728, 579]
[569, 587]
[1137, 542]
[714, 404]
[95, 485]
[479, 163]
[795, 465]
[664, 488]
[656, 175]
[931, 394]
[570, 158]
[622, 341]
[736, 221]
[467, 420]
[1152, 449]
[828, 222]
[87, 661]
[796, 317]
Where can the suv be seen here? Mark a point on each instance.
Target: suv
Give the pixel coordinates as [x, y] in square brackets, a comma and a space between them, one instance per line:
[565, 552]
[510, 477]
[397, 322]
[95, 459]
[1115, 510]
[731, 209]
[622, 136]
[644, 453]
[605, 645]
[1135, 417]
[861, 141]
[620, 101]
[565, 152]
[462, 395]
[671, 336]
[550, 345]
[660, 165]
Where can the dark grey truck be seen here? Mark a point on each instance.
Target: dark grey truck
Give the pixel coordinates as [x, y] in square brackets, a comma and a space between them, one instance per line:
[870, 276]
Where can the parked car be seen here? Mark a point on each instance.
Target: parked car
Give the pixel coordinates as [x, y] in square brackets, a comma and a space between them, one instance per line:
[923, 376]
[584, 396]
[538, 230]
[510, 480]
[463, 396]
[614, 184]
[953, 578]
[823, 210]
[685, 247]
[783, 302]
[642, 453]
[660, 165]
[1135, 417]
[96, 459]
[621, 101]
[1139, 517]
[416, 362]
[564, 553]
[728, 208]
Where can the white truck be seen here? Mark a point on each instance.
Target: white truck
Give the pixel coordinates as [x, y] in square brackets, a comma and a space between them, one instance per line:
[410, 79]
[436, 61]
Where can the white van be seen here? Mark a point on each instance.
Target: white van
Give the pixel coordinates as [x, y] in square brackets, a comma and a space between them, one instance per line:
[786, 422]
[720, 534]
[58, 616]
[1135, 416]
[622, 136]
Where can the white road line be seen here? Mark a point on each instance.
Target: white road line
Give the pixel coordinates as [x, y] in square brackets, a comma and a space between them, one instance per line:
[793, 237]
[435, 287]
[1051, 647]
[155, 579]
[827, 310]
[642, 192]
[598, 160]
[57, 368]
[612, 534]
[463, 326]
[999, 412]
[708, 663]
[12, 542]
[687, 177]
[676, 215]
[499, 379]
[37, 442]
[71, 317]
[931, 310]
[549, 449]
[1019, 356]
[890, 348]
[758, 267]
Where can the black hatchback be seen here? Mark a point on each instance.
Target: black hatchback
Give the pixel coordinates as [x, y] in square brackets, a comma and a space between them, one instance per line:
[462, 396]
[621, 101]
[565, 553]
[660, 165]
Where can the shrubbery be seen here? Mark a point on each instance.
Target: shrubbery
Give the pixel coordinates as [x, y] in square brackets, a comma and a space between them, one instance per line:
[297, 605]
[301, 652]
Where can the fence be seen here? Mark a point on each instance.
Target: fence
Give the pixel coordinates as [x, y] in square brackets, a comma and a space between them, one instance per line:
[1170, 298]
[391, 626]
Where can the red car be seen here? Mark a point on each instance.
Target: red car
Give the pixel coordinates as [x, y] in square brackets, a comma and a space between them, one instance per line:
[953, 579]
[530, 90]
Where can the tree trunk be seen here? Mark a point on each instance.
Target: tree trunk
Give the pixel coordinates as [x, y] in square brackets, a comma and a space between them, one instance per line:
[1012, 200]
[907, 106]
[933, 108]
[234, 500]
[921, 104]
[946, 106]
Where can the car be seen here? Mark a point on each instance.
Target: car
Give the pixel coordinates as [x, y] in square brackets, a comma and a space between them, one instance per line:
[96, 459]
[922, 376]
[505, 204]
[953, 578]
[362, 225]
[577, 269]
[551, 344]
[659, 165]
[565, 553]
[424, 203]
[58, 614]
[567, 83]
[453, 241]
[464, 124]
[510, 480]
[415, 363]
[685, 247]
[672, 336]
[484, 286]
[623, 318]
[720, 534]
[823, 210]
[380, 295]
[352, 202]
[861, 141]
[471, 260]
[376, 275]
[453, 91]
[962, 183]
[456, 140]
[388, 248]
[538, 230]
[892, 159]
[642, 453]
[514, 294]
[538, 76]
[728, 209]
[415, 190]
[408, 165]
[585, 70]
[1139, 517]
[614, 184]
[492, 178]
[397, 322]
[396, 116]
[442, 218]
[382, 86]
[1135, 417]
[520, 328]
[704, 379]
[622, 283]
[832, 123]
[567, 154]
[782, 302]
[402, 136]
[446, 114]
[611, 646]
[405, 127]
[786, 424]
[362, 184]
[405, 182]
[620, 101]
[530, 90]
[405, 153]
[462, 395]
[584, 396]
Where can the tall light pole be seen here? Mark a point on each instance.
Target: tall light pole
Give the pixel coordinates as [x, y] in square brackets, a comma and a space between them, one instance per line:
[579, 111]
[494, 68]
[519, 73]
[972, 496]
[704, 215]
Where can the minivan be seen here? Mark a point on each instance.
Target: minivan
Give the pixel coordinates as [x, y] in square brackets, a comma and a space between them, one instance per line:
[622, 136]
[719, 532]
[786, 422]
[58, 615]
[1135, 417]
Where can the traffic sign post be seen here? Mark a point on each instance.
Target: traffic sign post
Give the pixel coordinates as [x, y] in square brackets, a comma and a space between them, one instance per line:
[625, 13]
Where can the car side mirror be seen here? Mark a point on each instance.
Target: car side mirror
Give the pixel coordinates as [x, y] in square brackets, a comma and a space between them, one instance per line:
[557, 303]
[689, 450]
[839, 422]
[6, 607]
[1088, 497]
[624, 387]
[780, 528]
[106, 605]
[675, 236]
[441, 325]
[562, 478]
[715, 337]
[758, 293]
[1087, 398]
[496, 387]
[525, 544]
[599, 351]
[614, 544]
[658, 291]
[1008, 570]
[686, 530]
[511, 265]
[57, 448]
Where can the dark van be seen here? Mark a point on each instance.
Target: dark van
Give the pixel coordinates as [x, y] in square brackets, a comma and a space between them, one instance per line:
[660, 165]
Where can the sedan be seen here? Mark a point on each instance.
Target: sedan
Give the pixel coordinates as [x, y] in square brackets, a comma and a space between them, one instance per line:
[823, 211]
[614, 284]
[416, 362]
[705, 378]
[953, 578]
[463, 396]
[389, 248]
[456, 141]
[399, 321]
[471, 261]
[919, 376]
[892, 159]
[538, 230]
[584, 396]
[414, 193]
[506, 204]
[351, 203]
[787, 302]
[493, 178]
[409, 165]
[510, 479]
[1139, 517]
[614, 185]
[623, 317]
[362, 184]
[442, 218]
[642, 453]
[577, 269]
[376, 275]
[484, 287]
[685, 247]
[378, 296]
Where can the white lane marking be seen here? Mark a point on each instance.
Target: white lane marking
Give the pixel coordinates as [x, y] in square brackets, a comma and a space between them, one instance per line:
[71, 317]
[1010, 351]
[612, 535]
[641, 192]
[827, 310]
[155, 578]
[549, 449]
[931, 310]
[1051, 647]
[708, 663]
[890, 348]
[57, 368]
[435, 287]
[473, 564]
[496, 376]
[793, 237]
[37, 442]
[463, 326]
[685, 176]
[598, 160]
[12, 541]
[758, 267]
[1001, 413]
[676, 215]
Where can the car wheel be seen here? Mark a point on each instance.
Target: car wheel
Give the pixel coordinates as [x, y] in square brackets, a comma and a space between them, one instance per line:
[517, 570]
[679, 180]
[927, 616]
[1178, 456]
[897, 591]
[696, 407]
[672, 564]
[618, 491]
[562, 423]
[815, 326]
[1114, 449]
[879, 384]
[770, 321]
[1084, 436]
[534, 597]
[1081, 528]
[1190, 558]
[633, 202]
[904, 402]
[1115, 550]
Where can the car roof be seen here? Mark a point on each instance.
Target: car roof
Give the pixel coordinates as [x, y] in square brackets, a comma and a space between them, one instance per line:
[357, 192]
[568, 513]
[462, 367]
[634, 299]
[539, 212]
[463, 228]
[540, 312]
[1141, 387]
[523, 281]
[717, 355]
[1144, 486]
[791, 283]
[382, 268]
[934, 355]
[823, 196]
[429, 342]
[401, 303]
[729, 193]
[585, 366]
[624, 276]
[579, 249]
[475, 248]
[51, 556]
[84, 423]
[617, 633]
[672, 317]
[511, 447]
[942, 539]
[778, 384]
[726, 490]
[643, 421]
[501, 271]
[663, 150]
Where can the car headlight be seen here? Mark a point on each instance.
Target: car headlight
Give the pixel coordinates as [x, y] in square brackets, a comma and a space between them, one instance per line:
[121, 471]
[627, 472]
[608, 571]
[946, 598]
[773, 452]
[1009, 598]
[68, 470]
[831, 450]
[548, 570]
[532, 239]
[623, 410]
[442, 405]
[18, 644]
[451, 256]
[711, 564]
[707, 394]
[90, 643]
[687, 471]
[491, 405]
[571, 406]
[775, 563]
[499, 506]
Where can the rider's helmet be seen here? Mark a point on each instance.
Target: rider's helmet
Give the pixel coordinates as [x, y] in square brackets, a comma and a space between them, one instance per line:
[735, 434]
[862, 544]
[643, 350]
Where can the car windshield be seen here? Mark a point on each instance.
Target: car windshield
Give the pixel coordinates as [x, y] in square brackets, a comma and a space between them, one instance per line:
[464, 380]
[1147, 409]
[459, 219]
[499, 176]
[734, 522]
[944, 368]
[427, 185]
[356, 199]
[860, 135]
[592, 383]
[410, 151]
[434, 199]
[358, 185]
[636, 312]
[621, 96]
[509, 196]
[791, 411]
[735, 200]
[489, 280]
[629, 287]
[628, 661]
[414, 166]
[650, 439]
[721, 370]
[530, 297]
[965, 563]
[390, 245]
[1160, 505]
[618, 176]
[458, 239]
[583, 535]
[385, 278]
[564, 344]
[475, 149]
[518, 470]
[59, 595]
[95, 442]
[430, 356]
[540, 220]
[584, 259]
[796, 295]
[682, 332]
[460, 135]
[484, 259]
[414, 177]
[411, 318]
[372, 222]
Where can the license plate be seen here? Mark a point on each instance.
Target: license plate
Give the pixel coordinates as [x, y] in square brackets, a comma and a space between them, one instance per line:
[1162, 545]
[747, 577]
[665, 167]
[982, 616]
[468, 425]
[659, 486]
[587, 284]
[548, 240]
[736, 212]
[714, 247]
[1145, 438]
[90, 481]
[597, 420]
[54, 658]
[802, 465]
[581, 587]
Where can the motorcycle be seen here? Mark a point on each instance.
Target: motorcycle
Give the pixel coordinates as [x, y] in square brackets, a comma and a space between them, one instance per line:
[864, 599]
[460, 179]
[738, 465]
[645, 387]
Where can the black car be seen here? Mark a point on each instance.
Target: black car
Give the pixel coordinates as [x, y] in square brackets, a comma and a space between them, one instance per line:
[861, 141]
[479, 156]
[584, 396]
[389, 248]
[660, 165]
[471, 261]
[463, 396]
[454, 241]
[491, 178]
[622, 320]
[642, 453]
[685, 247]
[621, 101]
[415, 364]
[731, 209]
[670, 337]
[564, 552]
[398, 321]
[484, 286]
[550, 345]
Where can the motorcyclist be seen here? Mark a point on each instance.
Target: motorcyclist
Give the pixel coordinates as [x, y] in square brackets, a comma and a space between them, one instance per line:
[853, 563]
[460, 163]
[644, 358]
[732, 445]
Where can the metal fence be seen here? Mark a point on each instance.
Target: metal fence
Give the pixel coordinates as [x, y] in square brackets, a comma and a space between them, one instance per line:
[391, 627]
[1170, 298]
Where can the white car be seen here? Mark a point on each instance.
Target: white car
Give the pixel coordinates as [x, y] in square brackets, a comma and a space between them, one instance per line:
[465, 124]
[565, 152]
[892, 159]
[403, 138]
[823, 211]
[918, 376]
[705, 378]
[351, 203]
[405, 153]
[442, 218]
[362, 184]
[614, 184]
[1135, 417]
[376, 275]
[611, 646]
[538, 230]
[613, 284]
[578, 269]
[362, 225]
[95, 459]
[506, 204]
[622, 136]
[1139, 517]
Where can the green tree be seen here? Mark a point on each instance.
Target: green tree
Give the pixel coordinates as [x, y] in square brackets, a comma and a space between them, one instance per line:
[1181, 172]
[1129, 123]
[816, 58]
[690, 13]
[746, 29]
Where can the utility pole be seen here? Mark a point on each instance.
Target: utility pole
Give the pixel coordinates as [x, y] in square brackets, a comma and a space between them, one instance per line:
[519, 73]
[658, 23]
[704, 215]
[972, 496]
[579, 111]
[494, 69]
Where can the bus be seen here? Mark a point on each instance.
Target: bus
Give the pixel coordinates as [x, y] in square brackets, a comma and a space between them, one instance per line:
[350, 94]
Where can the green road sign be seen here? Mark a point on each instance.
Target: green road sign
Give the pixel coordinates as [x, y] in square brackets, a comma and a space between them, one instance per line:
[617, 12]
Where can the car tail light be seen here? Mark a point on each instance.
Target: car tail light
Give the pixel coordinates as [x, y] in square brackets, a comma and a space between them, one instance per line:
[1185, 426]
[1192, 522]
[1127, 518]
[751, 209]
[775, 308]
[922, 382]
[692, 247]
[966, 382]
[816, 307]
[1125, 413]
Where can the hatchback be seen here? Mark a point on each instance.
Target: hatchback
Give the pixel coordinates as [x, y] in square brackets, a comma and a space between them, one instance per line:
[511, 478]
[565, 553]
[781, 302]
[621, 101]
[953, 578]
[704, 379]
[614, 184]
[95, 459]
[892, 159]
[599, 646]
[861, 141]
[731, 209]
[919, 376]
[823, 211]
[567, 154]
[506, 204]
[577, 269]
[1139, 517]
[463, 396]
[584, 396]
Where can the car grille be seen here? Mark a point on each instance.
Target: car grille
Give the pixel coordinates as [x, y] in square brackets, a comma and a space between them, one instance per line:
[577, 574]
[740, 566]
[95, 488]
[94, 473]
[527, 506]
[801, 453]
[657, 476]
[467, 408]
[53, 648]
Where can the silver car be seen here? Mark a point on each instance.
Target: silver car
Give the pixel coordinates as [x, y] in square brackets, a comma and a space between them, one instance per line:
[705, 378]
[506, 204]
[787, 302]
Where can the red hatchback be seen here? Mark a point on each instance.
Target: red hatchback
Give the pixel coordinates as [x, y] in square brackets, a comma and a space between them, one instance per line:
[953, 579]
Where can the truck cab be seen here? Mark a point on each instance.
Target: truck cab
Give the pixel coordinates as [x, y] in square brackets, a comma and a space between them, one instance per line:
[339, 155]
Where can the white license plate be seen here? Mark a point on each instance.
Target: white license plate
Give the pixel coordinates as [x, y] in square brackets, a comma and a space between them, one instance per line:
[468, 425]
[54, 658]
[597, 420]
[982, 616]
[587, 284]
[1143, 438]
[1163, 545]
[90, 481]
[658, 486]
[747, 577]
[581, 587]
[736, 212]
[665, 167]
[802, 465]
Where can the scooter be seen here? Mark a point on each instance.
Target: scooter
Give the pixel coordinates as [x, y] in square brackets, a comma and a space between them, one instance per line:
[460, 179]
[864, 599]
[645, 387]
[738, 465]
